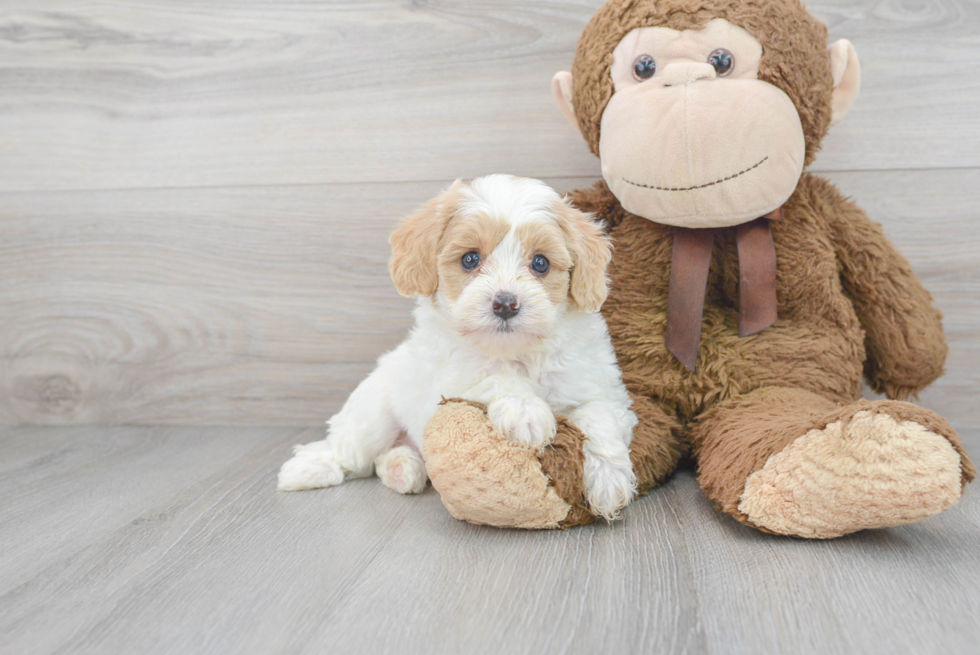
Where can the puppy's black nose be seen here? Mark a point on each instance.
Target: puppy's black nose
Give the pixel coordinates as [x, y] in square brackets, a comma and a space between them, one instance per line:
[505, 305]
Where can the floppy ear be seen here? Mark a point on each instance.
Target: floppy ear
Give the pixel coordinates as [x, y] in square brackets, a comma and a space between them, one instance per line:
[415, 246]
[591, 251]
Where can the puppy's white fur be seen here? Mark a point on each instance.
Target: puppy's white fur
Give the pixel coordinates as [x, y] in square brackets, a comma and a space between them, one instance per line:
[554, 356]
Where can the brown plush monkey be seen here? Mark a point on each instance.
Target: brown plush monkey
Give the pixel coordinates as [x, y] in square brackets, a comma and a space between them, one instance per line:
[748, 297]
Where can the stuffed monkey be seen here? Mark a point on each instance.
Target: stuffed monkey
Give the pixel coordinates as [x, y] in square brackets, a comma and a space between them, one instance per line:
[748, 297]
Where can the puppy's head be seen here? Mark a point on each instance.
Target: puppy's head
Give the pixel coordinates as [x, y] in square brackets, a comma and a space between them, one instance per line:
[504, 258]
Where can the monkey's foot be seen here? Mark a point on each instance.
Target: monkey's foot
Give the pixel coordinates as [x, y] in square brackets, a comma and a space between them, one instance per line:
[487, 478]
[868, 470]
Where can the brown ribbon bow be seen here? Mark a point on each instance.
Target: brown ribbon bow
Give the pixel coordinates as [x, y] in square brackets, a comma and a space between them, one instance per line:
[689, 264]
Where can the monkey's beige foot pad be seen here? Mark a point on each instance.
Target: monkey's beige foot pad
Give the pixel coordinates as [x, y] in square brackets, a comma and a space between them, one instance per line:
[485, 478]
[871, 471]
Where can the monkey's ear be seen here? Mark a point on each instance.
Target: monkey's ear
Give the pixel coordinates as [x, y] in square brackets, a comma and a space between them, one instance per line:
[415, 245]
[561, 87]
[846, 69]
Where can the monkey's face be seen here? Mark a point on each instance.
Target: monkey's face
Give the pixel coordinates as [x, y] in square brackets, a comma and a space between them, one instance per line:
[691, 137]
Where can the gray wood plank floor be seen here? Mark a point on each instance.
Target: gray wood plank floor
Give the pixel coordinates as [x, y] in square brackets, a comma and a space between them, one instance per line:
[173, 540]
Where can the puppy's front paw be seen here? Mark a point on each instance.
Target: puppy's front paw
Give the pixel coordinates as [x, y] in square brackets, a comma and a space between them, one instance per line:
[610, 483]
[527, 420]
[310, 469]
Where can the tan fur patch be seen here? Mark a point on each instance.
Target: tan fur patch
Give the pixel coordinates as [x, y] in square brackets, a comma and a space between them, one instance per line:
[591, 251]
[416, 243]
[481, 233]
[869, 472]
[542, 238]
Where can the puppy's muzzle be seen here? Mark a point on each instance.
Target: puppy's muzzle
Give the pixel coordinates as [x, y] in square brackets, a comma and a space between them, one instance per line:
[505, 305]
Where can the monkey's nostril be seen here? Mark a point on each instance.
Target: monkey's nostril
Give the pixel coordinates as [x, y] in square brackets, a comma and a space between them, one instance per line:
[505, 305]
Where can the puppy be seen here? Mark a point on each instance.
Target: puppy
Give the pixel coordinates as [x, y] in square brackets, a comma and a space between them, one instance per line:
[509, 279]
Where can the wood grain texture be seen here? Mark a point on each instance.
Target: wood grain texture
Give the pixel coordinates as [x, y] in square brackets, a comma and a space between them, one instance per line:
[160, 93]
[114, 301]
[268, 305]
[63, 489]
[216, 561]
[259, 305]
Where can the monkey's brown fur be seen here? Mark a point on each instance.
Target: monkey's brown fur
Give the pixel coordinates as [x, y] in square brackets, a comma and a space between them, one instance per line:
[848, 302]
[734, 439]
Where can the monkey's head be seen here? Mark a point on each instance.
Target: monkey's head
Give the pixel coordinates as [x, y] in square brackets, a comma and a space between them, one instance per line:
[705, 112]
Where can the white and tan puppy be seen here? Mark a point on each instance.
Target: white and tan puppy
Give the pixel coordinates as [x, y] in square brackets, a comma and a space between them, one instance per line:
[510, 279]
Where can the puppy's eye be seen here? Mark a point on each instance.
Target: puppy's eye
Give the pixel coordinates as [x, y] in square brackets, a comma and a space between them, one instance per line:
[540, 264]
[470, 260]
[722, 61]
[644, 67]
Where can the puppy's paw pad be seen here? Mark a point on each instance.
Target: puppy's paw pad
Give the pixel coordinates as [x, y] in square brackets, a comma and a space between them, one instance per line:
[610, 483]
[526, 420]
[401, 469]
[309, 471]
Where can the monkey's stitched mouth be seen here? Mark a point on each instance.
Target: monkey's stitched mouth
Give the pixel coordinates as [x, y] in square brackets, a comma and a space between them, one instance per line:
[699, 186]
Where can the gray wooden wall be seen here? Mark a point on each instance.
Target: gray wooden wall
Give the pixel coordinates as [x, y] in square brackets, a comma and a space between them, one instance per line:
[195, 195]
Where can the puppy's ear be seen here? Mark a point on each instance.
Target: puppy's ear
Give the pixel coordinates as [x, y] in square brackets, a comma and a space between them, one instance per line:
[591, 251]
[415, 245]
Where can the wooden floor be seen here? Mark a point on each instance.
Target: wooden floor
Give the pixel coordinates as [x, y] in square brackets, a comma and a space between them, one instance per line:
[173, 540]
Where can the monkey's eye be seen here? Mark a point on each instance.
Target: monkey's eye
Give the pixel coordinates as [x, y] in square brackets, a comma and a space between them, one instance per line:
[723, 61]
[644, 67]
[540, 264]
[470, 260]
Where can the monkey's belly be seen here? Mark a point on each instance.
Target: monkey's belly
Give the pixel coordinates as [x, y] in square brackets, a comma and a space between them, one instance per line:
[820, 356]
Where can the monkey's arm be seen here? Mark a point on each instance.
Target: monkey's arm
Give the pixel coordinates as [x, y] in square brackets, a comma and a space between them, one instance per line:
[906, 348]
